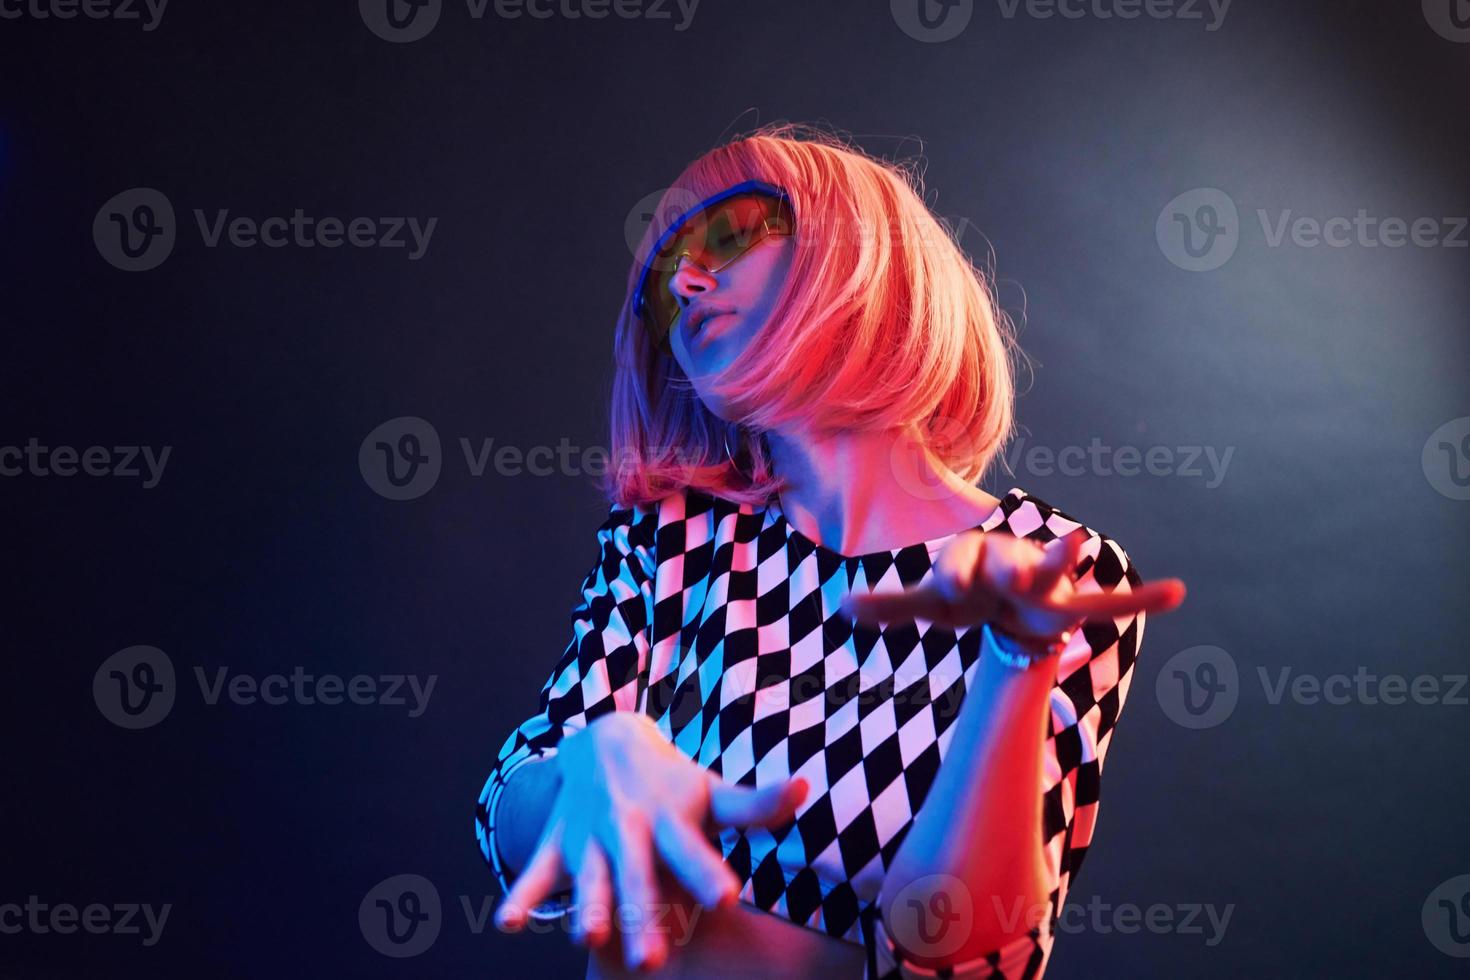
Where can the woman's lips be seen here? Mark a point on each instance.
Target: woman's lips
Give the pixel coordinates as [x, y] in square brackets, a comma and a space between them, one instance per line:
[701, 335]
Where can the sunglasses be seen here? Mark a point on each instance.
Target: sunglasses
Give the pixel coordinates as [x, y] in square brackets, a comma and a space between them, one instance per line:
[713, 234]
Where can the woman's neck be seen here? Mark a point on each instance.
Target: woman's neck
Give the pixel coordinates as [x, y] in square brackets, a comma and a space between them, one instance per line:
[858, 492]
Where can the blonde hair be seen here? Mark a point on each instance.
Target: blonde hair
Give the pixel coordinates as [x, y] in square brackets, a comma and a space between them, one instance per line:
[883, 322]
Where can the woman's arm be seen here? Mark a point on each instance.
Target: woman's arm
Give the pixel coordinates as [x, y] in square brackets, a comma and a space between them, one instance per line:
[598, 672]
[589, 798]
[980, 828]
[978, 846]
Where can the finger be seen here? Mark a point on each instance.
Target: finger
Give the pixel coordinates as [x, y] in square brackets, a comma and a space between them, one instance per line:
[594, 897]
[633, 871]
[920, 602]
[695, 862]
[538, 880]
[1007, 565]
[1151, 597]
[1058, 560]
[769, 806]
[958, 565]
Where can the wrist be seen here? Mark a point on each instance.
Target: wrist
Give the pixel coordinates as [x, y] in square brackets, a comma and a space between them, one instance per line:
[1022, 651]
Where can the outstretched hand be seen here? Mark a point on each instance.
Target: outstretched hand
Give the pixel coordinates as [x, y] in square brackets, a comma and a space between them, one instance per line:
[630, 801]
[1015, 583]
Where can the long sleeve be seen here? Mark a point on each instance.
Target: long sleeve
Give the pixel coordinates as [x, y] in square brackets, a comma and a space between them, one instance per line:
[1093, 677]
[604, 668]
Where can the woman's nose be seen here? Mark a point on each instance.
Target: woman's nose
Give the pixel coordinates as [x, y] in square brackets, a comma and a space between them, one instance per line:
[690, 279]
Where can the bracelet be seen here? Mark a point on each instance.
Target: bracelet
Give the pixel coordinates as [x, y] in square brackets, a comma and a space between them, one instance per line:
[1011, 650]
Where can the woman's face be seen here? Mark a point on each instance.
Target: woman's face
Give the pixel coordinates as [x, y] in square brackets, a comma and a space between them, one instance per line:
[719, 313]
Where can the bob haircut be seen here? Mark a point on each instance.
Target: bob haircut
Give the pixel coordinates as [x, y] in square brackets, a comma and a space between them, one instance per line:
[883, 323]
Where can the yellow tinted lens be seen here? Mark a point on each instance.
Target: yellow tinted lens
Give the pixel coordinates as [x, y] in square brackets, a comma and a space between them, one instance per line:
[713, 237]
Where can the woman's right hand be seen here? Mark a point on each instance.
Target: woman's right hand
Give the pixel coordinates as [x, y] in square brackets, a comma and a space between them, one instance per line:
[629, 798]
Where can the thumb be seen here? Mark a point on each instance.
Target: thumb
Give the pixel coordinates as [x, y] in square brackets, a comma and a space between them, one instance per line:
[769, 806]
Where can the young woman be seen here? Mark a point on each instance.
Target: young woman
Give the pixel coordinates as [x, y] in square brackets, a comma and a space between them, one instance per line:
[829, 709]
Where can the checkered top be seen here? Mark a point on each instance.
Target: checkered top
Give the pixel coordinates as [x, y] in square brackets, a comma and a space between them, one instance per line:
[722, 622]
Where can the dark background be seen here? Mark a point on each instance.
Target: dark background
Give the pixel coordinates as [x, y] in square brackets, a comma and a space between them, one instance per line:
[1326, 547]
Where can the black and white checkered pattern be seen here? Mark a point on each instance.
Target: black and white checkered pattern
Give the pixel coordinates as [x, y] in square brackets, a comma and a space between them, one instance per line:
[722, 622]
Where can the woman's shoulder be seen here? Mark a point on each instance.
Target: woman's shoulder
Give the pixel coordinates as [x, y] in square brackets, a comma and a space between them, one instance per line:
[1026, 515]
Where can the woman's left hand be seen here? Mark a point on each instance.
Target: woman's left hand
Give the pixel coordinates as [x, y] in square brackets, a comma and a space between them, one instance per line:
[1015, 584]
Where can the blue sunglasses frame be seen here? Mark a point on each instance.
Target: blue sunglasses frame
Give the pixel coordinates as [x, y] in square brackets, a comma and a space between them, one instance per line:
[744, 187]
